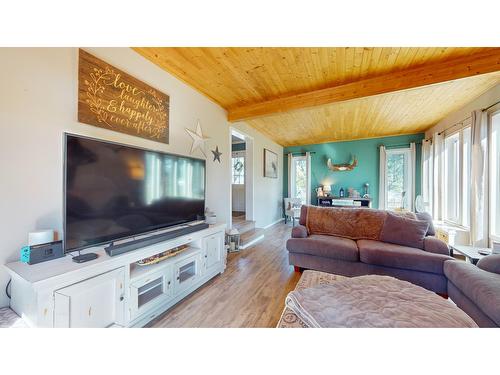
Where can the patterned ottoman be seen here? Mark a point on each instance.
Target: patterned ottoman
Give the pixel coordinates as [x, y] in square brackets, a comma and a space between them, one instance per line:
[308, 279]
[9, 319]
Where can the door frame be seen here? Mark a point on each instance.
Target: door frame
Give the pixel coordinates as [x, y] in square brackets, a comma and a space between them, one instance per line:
[249, 175]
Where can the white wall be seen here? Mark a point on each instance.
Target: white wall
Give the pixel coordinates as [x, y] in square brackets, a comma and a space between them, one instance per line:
[38, 102]
[488, 98]
[268, 192]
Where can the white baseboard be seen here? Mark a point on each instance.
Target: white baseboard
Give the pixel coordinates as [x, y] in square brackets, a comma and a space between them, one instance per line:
[274, 223]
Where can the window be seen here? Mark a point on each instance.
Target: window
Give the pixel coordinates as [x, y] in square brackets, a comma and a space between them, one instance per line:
[298, 178]
[452, 180]
[238, 170]
[495, 176]
[457, 177]
[398, 179]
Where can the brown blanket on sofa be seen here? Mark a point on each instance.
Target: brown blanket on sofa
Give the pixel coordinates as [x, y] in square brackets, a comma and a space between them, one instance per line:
[374, 301]
[353, 223]
[356, 224]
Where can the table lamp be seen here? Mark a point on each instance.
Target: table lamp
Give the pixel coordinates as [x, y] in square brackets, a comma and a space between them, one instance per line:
[327, 189]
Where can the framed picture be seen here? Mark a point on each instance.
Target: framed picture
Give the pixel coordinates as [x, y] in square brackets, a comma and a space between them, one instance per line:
[270, 164]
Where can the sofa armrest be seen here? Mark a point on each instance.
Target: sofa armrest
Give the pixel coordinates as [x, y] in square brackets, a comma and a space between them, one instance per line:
[299, 231]
[436, 246]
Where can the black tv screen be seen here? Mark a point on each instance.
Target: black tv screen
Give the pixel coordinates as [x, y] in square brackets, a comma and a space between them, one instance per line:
[113, 191]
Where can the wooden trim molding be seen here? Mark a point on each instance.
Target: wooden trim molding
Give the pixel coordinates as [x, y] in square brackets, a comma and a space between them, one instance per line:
[468, 66]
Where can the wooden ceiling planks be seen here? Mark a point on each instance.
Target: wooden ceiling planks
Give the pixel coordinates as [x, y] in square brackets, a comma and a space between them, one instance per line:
[404, 112]
[237, 77]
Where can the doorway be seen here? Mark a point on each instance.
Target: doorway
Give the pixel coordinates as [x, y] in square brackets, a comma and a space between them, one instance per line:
[238, 180]
[242, 176]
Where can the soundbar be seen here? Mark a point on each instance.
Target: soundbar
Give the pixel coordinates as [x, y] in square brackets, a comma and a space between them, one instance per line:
[117, 249]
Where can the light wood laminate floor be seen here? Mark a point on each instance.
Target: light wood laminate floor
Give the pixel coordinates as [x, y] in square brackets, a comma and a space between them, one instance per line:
[250, 293]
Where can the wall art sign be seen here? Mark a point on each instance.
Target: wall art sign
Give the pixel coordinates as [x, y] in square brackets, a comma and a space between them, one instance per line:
[112, 99]
[270, 164]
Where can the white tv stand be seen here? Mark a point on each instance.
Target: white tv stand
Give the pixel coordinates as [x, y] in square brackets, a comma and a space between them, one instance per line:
[114, 291]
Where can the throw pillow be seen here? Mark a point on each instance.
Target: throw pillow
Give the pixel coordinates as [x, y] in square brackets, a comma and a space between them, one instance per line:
[491, 263]
[425, 216]
[404, 231]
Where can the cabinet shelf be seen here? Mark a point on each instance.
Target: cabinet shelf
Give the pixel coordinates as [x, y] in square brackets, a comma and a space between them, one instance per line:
[136, 272]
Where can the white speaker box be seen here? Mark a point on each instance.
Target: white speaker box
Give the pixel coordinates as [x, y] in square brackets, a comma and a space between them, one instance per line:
[40, 236]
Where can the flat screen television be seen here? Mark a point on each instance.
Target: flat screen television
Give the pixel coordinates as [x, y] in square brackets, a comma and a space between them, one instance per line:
[113, 191]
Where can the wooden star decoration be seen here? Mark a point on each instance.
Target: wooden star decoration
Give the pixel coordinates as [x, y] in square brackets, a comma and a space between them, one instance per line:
[199, 140]
[216, 153]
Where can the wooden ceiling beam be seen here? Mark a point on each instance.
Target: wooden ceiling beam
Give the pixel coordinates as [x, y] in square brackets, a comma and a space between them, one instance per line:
[468, 66]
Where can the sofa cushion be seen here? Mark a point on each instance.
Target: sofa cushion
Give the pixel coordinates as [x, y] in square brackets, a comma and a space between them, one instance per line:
[491, 263]
[397, 256]
[352, 223]
[325, 246]
[481, 287]
[303, 214]
[425, 216]
[404, 231]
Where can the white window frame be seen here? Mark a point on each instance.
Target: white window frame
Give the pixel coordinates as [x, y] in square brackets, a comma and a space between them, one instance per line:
[409, 175]
[460, 219]
[494, 111]
[238, 154]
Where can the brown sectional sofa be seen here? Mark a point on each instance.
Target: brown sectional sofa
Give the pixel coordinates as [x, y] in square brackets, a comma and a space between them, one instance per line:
[353, 256]
[476, 289]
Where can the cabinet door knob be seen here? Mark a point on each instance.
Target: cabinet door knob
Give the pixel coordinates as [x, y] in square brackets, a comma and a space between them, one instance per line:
[121, 298]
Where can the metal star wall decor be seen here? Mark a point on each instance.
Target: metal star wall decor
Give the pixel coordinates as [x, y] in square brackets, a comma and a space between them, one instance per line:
[199, 140]
[216, 153]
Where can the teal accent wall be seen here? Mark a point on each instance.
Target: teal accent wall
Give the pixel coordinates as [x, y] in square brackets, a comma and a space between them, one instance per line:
[367, 152]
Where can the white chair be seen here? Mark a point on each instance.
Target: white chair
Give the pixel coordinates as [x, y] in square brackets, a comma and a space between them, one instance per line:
[292, 209]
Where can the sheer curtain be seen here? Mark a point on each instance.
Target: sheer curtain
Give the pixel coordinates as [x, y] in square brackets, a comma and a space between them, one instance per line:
[427, 174]
[308, 175]
[438, 176]
[290, 175]
[479, 174]
[411, 172]
[382, 180]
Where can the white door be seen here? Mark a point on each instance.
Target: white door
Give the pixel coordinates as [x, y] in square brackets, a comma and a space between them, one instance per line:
[97, 302]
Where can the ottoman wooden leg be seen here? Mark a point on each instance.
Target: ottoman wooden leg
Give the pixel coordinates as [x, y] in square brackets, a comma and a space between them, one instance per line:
[444, 295]
[297, 269]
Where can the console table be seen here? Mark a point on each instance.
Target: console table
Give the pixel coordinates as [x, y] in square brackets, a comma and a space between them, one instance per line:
[471, 253]
[115, 291]
[330, 201]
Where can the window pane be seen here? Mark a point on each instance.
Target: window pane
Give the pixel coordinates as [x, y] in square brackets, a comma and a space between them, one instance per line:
[495, 175]
[398, 181]
[452, 178]
[299, 182]
[466, 176]
[238, 170]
